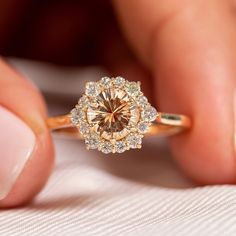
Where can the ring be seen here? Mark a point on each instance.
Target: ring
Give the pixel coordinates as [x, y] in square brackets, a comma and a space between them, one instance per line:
[113, 116]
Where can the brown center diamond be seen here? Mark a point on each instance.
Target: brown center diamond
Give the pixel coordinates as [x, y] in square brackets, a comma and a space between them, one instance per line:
[111, 112]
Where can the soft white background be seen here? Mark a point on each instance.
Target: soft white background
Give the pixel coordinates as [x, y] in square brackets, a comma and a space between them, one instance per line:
[135, 194]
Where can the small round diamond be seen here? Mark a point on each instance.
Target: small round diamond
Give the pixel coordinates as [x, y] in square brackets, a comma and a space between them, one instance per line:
[133, 88]
[74, 120]
[75, 115]
[74, 111]
[106, 82]
[134, 140]
[120, 146]
[84, 128]
[149, 114]
[92, 89]
[119, 81]
[143, 127]
[142, 100]
[92, 141]
[106, 147]
[83, 101]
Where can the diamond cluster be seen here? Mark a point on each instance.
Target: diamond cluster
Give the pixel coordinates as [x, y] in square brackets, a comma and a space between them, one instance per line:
[113, 115]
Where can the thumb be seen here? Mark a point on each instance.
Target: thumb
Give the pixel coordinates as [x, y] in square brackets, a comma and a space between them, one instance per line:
[26, 151]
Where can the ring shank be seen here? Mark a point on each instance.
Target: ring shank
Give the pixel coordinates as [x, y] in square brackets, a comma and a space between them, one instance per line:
[165, 124]
[169, 124]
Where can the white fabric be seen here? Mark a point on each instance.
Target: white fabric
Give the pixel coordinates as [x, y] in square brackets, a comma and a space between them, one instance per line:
[140, 193]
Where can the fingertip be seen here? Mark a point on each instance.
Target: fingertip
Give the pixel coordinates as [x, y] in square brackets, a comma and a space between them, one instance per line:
[201, 161]
[27, 154]
[34, 175]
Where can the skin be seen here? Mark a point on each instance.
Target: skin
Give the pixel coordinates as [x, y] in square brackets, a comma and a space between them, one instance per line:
[188, 49]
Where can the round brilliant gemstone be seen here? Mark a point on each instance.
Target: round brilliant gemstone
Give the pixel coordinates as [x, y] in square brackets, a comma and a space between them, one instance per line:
[92, 141]
[106, 147]
[92, 89]
[106, 82]
[133, 88]
[143, 127]
[112, 113]
[119, 81]
[149, 114]
[134, 140]
[120, 146]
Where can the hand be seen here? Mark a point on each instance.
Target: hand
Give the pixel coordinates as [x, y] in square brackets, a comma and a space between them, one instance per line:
[188, 47]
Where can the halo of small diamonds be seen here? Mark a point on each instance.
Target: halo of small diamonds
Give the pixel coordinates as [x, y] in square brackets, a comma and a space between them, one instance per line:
[113, 115]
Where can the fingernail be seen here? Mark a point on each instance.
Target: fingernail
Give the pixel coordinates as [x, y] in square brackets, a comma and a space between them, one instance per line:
[17, 142]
